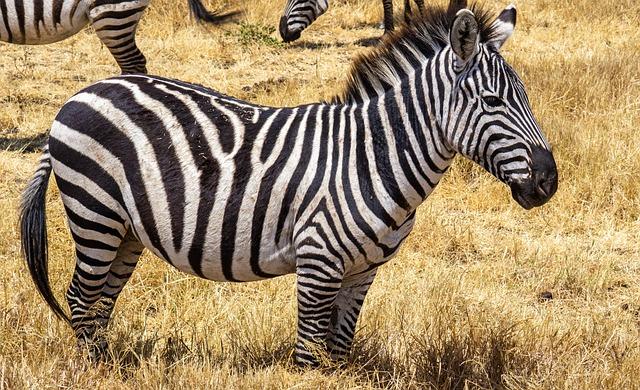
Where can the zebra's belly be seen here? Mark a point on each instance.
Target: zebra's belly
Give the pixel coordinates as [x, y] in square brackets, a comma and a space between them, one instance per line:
[212, 269]
[213, 260]
[45, 30]
[50, 37]
[50, 34]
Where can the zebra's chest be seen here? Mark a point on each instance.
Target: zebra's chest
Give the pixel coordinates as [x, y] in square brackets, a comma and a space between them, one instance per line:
[349, 242]
[383, 246]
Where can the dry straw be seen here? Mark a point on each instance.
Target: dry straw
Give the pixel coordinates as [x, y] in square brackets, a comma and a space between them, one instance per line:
[460, 306]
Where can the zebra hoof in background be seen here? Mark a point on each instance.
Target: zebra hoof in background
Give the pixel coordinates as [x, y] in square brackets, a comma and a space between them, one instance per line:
[96, 352]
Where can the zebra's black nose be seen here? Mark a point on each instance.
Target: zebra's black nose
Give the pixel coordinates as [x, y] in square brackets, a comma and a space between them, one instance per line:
[545, 173]
[541, 185]
[546, 184]
[286, 34]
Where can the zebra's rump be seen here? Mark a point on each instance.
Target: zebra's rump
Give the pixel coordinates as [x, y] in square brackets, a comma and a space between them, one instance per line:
[177, 164]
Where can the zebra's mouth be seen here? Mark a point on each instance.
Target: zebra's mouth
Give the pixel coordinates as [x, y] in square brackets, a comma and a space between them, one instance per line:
[286, 34]
[529, 197]
[536, 191]
[522, 201]
[541, 185]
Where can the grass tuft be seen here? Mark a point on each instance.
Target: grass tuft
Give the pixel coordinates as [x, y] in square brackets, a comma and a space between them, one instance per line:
[249, 34]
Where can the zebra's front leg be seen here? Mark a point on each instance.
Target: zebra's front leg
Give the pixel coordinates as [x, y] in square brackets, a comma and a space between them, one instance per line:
[346, 311]
[319, 282]
[116, 24]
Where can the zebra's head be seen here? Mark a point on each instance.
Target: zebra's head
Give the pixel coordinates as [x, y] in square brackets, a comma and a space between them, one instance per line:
[298, 15]
[489, 119]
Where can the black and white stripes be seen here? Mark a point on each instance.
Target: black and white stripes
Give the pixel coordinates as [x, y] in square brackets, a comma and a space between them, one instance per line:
[231, 191]
[299, 14]
[34, 22]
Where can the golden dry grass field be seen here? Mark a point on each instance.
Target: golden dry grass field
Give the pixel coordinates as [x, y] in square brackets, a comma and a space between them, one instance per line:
[461, 304]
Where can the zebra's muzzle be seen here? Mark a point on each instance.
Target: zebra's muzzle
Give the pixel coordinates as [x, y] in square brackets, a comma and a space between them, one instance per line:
[542, 184]
[286, 34]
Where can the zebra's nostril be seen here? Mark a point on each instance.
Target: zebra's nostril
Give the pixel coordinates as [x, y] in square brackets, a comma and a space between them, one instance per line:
[546, 184]
[543, 189]
[283, 28]
[545, 173]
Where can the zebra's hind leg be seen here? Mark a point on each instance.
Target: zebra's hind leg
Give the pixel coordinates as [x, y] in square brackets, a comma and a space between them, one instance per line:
[116, 24]
[346, 311]
[101, 272]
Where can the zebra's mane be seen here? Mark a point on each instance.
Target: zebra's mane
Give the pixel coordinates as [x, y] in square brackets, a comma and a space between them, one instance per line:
[405, 50]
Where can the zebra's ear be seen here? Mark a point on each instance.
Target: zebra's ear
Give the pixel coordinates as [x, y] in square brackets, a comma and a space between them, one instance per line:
[464, 36]
[502, 27]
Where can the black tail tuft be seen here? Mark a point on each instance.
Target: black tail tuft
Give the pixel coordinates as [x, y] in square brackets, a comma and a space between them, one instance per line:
[201, 14]
[33, 231]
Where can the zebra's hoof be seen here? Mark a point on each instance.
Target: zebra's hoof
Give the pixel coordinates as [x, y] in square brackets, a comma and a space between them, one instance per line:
[95, 352]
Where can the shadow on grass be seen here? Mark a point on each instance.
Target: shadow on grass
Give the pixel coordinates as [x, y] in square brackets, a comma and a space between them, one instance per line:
[452, 359]
[365, 42]
[368, 42]
[314, 45]
[24, 144]
[311, 45]
[240, 356]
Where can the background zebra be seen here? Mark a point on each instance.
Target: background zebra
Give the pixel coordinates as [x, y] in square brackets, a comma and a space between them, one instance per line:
[299, 14]
[231, 191]
[34, 22]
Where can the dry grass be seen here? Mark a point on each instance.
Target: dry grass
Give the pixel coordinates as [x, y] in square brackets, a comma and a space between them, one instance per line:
[460, 306]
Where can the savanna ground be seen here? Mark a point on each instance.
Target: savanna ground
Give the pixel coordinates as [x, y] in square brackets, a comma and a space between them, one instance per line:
[483, 294]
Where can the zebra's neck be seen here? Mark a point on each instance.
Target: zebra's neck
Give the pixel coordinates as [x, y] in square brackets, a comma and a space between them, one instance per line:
[396, 144]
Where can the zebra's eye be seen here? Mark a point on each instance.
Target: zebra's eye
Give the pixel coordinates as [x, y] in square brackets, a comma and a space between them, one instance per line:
[493, 101]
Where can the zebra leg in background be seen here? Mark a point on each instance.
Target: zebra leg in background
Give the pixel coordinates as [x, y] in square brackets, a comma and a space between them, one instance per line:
[387, 6]
[420, 4]
[101, 272]
[407, 8]
[116, 26]
[318, 286]
[346, 311]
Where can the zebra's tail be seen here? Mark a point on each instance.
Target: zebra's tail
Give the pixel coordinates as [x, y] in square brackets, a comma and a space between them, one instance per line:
[33, 232]
[199, 11]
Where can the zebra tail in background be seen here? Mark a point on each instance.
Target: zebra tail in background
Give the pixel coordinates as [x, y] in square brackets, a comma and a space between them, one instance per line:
[201, 14]
[33, 232]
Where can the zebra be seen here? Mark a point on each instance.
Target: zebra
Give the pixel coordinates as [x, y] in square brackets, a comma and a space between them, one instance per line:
[34, 22]
[232, 191]
[299, 14]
